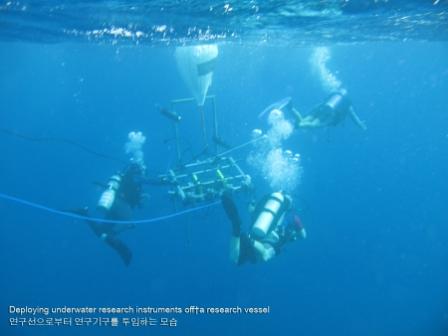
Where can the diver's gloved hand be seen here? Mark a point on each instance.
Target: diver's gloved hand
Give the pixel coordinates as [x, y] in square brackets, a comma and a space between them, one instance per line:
[232, 213]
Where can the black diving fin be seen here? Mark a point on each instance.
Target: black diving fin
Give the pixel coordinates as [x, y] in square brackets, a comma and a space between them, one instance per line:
[231, 211]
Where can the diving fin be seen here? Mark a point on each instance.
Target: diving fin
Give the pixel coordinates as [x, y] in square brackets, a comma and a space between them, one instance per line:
[231, 212]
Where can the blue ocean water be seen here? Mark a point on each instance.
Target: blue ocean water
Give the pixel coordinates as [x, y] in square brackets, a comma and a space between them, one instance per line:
[373, 202]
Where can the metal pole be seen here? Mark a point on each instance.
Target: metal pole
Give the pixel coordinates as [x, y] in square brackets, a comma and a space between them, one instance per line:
[215, 125]
[182, 100]
[203, 126]
[176, 137]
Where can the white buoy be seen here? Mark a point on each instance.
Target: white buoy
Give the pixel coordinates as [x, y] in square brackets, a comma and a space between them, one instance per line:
[196, 64]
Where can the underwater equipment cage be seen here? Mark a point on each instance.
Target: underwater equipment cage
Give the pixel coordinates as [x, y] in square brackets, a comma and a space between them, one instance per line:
[203, 179]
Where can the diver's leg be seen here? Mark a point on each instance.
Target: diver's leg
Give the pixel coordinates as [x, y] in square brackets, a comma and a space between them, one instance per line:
[246, 250]
[242, 249]
[123, 251]
[297, 116]
[97, 228]
[119, 228]
[106, 232]
[309, 122]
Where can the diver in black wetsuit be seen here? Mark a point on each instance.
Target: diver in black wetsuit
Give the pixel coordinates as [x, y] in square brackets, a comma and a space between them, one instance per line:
[332, 112]
[123, 192]
[269, 232]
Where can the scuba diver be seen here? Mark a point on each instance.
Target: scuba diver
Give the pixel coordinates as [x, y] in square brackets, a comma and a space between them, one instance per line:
[122, 193]
[332, 112]
[270, 229]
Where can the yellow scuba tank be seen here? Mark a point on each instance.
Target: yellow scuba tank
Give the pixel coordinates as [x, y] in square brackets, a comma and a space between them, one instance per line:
[108, 196]
[267, 215]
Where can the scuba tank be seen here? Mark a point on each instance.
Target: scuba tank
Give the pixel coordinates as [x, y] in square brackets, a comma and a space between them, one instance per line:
[335, 101]
[269, 212]
[108, 196]
[337, 105]
[334, 109]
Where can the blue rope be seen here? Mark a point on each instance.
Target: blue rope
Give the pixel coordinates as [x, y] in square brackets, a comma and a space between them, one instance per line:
[102, 220]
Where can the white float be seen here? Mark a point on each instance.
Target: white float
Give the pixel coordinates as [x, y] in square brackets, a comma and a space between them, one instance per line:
[196, 65]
